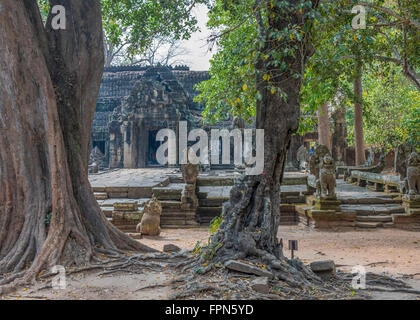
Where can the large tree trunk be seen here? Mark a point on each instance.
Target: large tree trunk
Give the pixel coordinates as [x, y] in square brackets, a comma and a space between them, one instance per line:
[251, 217]
[324, 132]
[358, 117]
[49, 81]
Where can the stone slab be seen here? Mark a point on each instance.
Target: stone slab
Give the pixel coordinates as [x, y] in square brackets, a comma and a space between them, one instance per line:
[247, 268]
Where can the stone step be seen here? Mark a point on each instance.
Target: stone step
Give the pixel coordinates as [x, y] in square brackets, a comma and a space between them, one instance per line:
[168, 193]
[176, 179]
[167, 204]
[172, 215]
[368, 225]
[100, 195]
[127, 228]
[174, 226]
[292, 180]
[382, 219]
[209, 211]
[212, 202]
[214, 181]
[285, 194]
[381, 200]
[289, 200]
[107, 211]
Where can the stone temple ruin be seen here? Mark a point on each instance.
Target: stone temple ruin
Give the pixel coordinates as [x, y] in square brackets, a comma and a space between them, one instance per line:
[322, 190]
[134, 104]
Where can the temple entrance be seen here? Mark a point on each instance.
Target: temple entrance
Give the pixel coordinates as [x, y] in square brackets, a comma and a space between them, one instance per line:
[100, 145]
[151, 160]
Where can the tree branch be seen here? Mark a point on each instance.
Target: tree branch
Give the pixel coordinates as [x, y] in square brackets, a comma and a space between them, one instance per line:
[392, 13]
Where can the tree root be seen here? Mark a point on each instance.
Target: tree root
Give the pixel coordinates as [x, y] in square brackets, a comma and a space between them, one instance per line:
[393, 290]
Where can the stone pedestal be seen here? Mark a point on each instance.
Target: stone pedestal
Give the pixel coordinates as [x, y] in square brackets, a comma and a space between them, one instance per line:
[411, 204]
[327, 204]
[126, 216]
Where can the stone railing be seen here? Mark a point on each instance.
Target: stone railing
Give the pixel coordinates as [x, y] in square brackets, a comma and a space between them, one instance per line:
[375, 181]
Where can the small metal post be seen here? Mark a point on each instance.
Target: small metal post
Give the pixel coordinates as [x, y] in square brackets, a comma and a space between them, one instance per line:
[293, 245]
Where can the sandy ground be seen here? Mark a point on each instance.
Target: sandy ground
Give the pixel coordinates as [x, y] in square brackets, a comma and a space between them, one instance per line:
[390, 251]
[382, 250]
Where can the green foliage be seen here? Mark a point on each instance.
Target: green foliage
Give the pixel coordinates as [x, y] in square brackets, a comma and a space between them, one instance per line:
[139, 22]
[215, 224]
[47, 219]
[210, 250]
[392, 110]
[236, 86]
[231, 89]
[390, 102]
[44, 8]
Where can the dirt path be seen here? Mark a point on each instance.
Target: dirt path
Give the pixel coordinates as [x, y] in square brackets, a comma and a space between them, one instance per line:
[390, 251]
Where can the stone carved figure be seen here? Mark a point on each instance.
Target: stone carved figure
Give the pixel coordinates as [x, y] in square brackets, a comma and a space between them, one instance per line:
[371, 158]
[327, 176]
[303, 157]
[315, 166]
[413, 174]
[190, 174]
[400, 164]
[96, 156]
[150, 222]
[190, 171]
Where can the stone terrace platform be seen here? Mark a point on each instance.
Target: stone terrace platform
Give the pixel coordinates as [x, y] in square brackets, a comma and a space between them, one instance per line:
[136, 186]
[362, 208]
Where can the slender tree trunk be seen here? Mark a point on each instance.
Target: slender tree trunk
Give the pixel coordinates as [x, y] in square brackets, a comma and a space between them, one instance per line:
[251, 217]
[358, 117]
[49, 81]
[324, 131]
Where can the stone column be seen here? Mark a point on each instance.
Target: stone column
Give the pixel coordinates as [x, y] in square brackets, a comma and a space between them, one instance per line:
[130, 150]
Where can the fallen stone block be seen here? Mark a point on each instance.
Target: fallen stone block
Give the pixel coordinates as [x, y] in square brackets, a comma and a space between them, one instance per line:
[324, 269]
[247, 268]
[171, 248]
[261, 285]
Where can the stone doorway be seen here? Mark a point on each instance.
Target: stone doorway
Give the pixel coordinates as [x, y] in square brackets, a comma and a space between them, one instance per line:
[153, 146]
[100, 145]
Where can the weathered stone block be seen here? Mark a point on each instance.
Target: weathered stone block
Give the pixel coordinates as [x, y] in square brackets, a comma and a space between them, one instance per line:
[247, 268]
[327, 204]
[261, 285]
[126, 206]
[324, 269]
[171, 248]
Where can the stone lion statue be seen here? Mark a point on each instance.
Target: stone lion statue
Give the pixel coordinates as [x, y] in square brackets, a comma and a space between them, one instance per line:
[327, 176]
[413, 173]
[150, 222]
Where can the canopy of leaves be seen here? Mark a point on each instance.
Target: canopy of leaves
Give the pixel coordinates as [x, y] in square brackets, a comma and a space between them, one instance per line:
[232, 89]
[138, 23]
[392, 109]
[390, 39]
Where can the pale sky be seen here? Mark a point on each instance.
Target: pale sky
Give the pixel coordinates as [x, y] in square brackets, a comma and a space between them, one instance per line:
[199, 56]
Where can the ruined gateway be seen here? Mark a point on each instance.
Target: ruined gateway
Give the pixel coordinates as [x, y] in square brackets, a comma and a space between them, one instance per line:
[134, 103]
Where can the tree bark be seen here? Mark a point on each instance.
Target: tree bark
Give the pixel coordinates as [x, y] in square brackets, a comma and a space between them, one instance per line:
[49, 81]
[358, 116]
[251, 218]
[324, 133]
